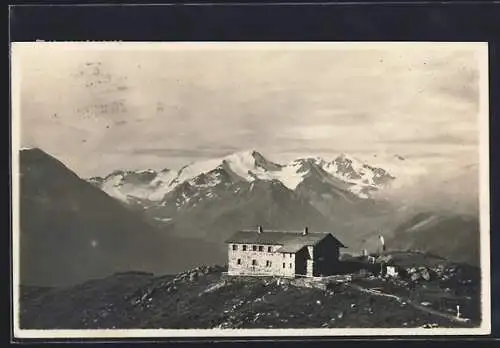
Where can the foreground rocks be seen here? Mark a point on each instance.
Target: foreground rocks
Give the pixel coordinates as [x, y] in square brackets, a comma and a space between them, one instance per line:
[420, 273]
[204, 297]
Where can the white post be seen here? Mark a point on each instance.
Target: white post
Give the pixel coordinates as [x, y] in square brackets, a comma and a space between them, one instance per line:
[458, 311]
[381, 244]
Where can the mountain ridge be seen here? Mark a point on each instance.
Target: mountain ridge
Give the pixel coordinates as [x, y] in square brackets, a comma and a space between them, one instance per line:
[207, 197]
[358, 177]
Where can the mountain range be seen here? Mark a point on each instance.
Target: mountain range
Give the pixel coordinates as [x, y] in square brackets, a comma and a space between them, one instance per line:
[212, 198]
[74, 229]
[351, 176]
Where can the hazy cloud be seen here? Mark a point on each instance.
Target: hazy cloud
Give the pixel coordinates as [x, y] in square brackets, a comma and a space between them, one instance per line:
[157, 108]
[185, 153]
[444, 138]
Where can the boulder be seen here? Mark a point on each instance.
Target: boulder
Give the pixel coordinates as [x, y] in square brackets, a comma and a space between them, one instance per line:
[415, 276]
[425, 274]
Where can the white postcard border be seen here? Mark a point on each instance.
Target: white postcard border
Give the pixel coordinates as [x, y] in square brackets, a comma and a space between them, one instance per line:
[483, 329]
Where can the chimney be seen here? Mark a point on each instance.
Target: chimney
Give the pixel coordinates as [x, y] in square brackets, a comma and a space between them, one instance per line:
[259, 229]
[306, 231]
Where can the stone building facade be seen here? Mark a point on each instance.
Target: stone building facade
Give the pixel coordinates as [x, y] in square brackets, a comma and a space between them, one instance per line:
[282, 253]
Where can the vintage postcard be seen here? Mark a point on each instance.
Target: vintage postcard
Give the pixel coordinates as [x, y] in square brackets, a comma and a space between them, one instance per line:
[248, 189]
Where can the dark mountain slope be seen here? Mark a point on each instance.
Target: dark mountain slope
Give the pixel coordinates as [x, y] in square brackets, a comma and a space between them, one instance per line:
[246, 205]
[455, 237]
[72, 231]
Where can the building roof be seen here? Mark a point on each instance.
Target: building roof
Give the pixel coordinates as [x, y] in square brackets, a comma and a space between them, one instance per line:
[291, 241]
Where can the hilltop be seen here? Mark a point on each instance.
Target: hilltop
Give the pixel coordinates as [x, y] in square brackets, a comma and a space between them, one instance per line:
[205, 297]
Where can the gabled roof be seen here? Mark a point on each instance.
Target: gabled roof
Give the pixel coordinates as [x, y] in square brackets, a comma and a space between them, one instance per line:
[291, 241]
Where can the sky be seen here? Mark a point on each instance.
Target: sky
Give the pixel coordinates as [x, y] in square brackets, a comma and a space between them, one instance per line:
[102, 107]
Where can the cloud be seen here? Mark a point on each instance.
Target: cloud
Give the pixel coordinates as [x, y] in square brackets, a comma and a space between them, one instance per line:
[441, 190]
[313, 132]
[185, 153]
[173, 104]
[441, 138]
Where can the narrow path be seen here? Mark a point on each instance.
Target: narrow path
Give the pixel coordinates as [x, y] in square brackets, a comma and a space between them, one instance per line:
[413, 304]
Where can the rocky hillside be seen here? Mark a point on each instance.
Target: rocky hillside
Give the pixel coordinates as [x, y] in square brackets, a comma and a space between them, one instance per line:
[205, 298]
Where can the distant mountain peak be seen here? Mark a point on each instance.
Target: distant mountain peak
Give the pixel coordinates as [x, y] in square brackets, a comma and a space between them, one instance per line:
[33, 150]
[246, 152]
[146, 171]
[341, 157]
[345, 157]
[249, 155]
[23, 148]
[248, 166]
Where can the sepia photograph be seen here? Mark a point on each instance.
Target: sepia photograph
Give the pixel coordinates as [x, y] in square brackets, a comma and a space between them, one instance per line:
[238, 189]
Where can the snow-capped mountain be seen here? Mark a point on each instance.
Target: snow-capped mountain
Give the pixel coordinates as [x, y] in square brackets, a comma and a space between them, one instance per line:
[344, 172]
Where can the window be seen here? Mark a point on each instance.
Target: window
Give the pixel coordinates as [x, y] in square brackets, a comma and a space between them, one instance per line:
[254, 247]
[261, 248]
[235, 247]
[284, 255]
[284, 265]
[268, 263]
[238, 261]
[244, 248]
[290, 265]
[269, 249]
[254, 262]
